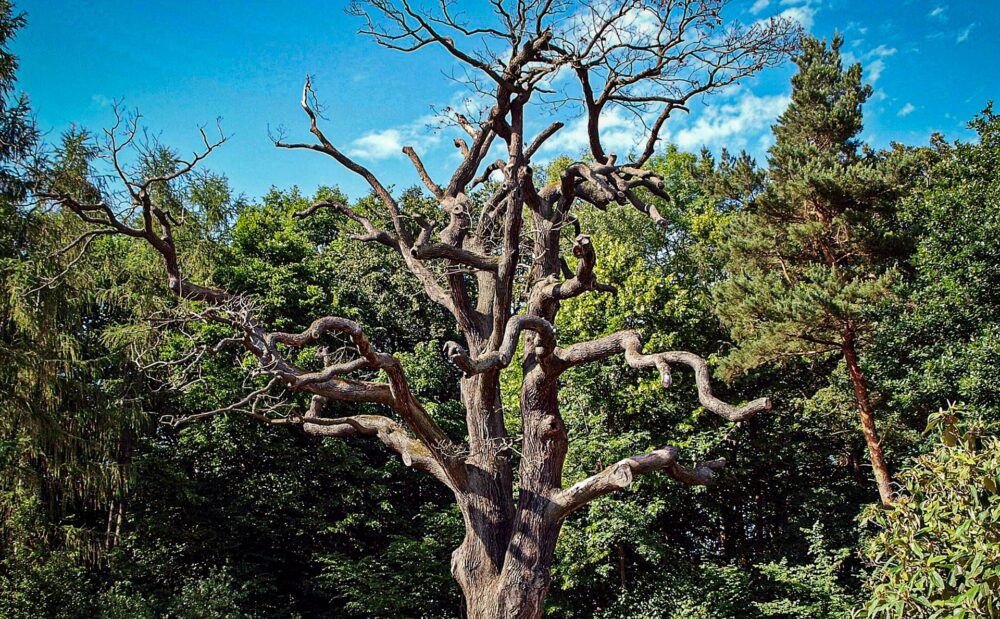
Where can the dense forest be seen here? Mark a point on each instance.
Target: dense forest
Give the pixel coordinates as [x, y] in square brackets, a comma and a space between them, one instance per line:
[856, 288]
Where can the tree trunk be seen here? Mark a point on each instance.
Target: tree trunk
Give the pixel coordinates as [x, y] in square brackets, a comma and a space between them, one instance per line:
[518, 591]
[882, 477]
[487, 508]
[503, 565]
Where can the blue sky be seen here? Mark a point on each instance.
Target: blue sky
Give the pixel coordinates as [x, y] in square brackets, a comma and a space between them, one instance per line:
[182, 64]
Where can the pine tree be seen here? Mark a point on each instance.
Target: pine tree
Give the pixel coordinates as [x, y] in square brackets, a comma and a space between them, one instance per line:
[817, 247]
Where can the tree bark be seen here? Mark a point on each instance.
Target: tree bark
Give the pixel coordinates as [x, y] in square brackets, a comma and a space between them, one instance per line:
[882, 477]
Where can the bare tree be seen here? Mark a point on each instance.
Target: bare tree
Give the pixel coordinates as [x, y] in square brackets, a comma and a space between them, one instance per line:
[645, 58]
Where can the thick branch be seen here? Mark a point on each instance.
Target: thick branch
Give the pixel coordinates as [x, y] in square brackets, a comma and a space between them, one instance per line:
[433, 187]
[615, 477]
[426, 429]
[582, 281]
[630, 343]
[413, 452]
[621, 475]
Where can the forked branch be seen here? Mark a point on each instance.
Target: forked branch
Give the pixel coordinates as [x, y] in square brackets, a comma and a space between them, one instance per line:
[502, 357]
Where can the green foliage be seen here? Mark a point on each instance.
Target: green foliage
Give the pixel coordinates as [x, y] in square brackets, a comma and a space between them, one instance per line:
[811, 590]
[278, 523]
[406, 578]
[942, 344]
[705, 591]
[66, 413]
[216, 596]
[37, 584]
[18, 133]
[937, 552]
[662, 549]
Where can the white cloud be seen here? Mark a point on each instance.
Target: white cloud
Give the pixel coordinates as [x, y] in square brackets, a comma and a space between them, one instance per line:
[964, 34]
[388, 143]
[801, 11]
[906, 110]
[938, 13]
[732, 124]
[736, 118]
[875, 69]
[620, 133]
[804, 15]
[881, 52]
[873, 60]
[377, 144]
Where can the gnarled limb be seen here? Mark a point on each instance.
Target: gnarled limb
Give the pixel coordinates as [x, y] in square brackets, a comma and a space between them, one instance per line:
[423, 425]
[430, 251]
[621, 475]
[630, 343]
[582, 281]
[412, 451]
[504, 355]
[424, 249]
[372, 233]
[615, 477]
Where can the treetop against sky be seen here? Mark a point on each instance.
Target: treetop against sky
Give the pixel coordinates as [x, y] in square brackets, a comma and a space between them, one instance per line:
[184, 64]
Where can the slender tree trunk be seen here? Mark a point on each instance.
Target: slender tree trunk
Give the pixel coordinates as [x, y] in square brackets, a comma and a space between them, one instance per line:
[882, 477]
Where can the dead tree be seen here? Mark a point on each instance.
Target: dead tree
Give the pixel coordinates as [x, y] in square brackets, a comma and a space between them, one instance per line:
[646, 58]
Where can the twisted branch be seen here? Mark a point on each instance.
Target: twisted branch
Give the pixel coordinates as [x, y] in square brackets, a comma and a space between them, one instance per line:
[502, 357]
[621, 475]
[630, 343]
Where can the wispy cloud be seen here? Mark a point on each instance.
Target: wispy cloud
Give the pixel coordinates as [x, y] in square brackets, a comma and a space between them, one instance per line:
[906, 110]
[620, 133]
[881, 52]
[101, 101]
[733, 124]
[873, 60]
[938, 13]
[389, 143]
[805, 15]
[875, 69]
[964, 34]
[801, 11]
